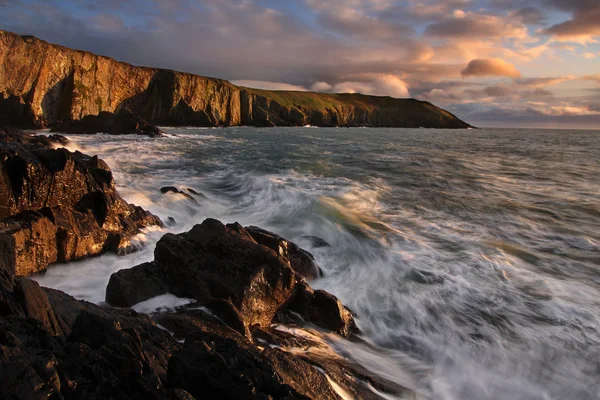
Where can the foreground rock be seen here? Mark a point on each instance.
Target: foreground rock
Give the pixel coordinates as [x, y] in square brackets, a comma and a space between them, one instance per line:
[225, 269]
[59, 206]
[301, 260]
[53, 346]
[123, 122]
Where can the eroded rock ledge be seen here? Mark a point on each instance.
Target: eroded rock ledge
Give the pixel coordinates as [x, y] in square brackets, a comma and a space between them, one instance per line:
[58, 205]
[123, 122]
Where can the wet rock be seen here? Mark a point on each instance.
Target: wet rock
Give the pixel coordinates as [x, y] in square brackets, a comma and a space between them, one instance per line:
[59, 205]
[301, 260]
[211, 366]
[316, 241]
[320, 308]
[171, 221]
[195, 193]
[227, 271]
[221, 266]
[53, 346]
[173, 189]
[123, 122]
[425, 277]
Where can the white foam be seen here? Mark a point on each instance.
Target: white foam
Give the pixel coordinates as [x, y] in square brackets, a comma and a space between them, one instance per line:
[164, 303]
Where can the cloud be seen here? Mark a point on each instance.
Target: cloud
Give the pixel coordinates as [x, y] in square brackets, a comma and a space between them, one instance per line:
[584, 25]
[490, 67]
[474, 25]
[528, 15]
[269, 85]
[376, 85]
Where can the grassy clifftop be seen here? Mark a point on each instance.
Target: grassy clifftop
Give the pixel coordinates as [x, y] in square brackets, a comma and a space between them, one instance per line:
[42, 84]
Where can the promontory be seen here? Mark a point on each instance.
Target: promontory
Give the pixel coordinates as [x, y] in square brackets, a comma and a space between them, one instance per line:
[43, 84]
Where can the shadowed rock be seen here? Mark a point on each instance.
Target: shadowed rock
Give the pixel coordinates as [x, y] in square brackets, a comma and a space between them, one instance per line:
[301, 260]
[225, 269]
[124, 122]
[59, 205]
[173, 189]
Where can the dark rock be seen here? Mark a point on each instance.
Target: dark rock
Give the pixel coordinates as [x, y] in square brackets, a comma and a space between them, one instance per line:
[301, 260]
[425, 277]
[215, 264]
[173, 189]
[59, 206]
[195, 193]
[53, 346]
[171, 221]
[316, 241]
[123, 122]
[227, 271]
[319, 307]
[212, 366]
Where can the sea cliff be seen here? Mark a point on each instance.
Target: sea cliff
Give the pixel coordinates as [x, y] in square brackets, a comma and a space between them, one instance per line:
[42, 84]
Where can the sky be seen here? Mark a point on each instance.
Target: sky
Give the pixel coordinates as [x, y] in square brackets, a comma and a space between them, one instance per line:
[494, 63]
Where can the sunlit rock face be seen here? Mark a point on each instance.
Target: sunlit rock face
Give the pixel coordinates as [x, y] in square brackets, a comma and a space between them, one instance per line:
[43, 84]
[57, 205]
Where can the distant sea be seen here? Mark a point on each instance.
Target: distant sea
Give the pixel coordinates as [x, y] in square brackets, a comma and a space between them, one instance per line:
[471, 257]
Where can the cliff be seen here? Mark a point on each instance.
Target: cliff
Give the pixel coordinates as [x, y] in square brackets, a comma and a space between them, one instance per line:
[42, 84]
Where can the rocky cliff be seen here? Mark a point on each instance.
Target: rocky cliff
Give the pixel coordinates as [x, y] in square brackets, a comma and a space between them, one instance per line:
[42, 84]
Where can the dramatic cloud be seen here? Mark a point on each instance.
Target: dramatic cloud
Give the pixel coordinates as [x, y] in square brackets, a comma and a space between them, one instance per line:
[490, 67]
[583, 27]
[462, 54]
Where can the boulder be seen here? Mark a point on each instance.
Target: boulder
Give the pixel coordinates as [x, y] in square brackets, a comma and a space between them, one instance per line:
[224, 268]
[301, 260]
[53, 346]
[123, 122]
[173, 189]
[59, 205]
[218, 265]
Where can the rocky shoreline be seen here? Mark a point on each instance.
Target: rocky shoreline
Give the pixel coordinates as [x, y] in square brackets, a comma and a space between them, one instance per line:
[236, 335]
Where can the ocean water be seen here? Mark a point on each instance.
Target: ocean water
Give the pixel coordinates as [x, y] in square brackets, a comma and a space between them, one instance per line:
[472, 258]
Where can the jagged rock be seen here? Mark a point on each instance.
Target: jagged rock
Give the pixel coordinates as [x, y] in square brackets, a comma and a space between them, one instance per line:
[212, 366]
[221, 266]
[173, 189]
[53, 346]
[319, 307]
[123, 122]
[316, 241]
[301, 260]
[59, 206]
[42, 84]
[226, 270]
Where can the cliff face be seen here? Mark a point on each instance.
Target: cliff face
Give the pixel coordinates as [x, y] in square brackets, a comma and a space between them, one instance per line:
[42, 84]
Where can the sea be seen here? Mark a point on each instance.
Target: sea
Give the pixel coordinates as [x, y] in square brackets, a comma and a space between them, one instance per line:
[470, 257]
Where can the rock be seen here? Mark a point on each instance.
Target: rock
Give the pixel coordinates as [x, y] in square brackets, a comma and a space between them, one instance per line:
[425, 277]
[195, 193]
[301, 260]
[53, 346]
[319, 307]
[211, 366]
[60, 206]
[173, 189]
[220, 266]
[227, 271]
[316, 241]
[123, 122]
[42, 84]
